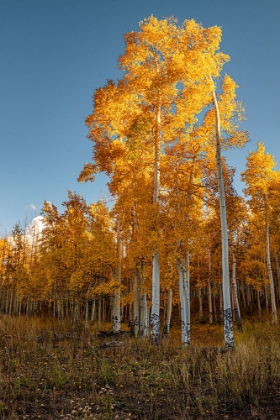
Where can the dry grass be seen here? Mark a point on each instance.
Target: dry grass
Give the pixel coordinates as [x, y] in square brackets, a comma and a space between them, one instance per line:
[69, 375]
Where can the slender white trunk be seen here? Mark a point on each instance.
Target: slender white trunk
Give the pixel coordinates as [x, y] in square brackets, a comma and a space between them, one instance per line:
[116, 313]
[278, 273]
[186, 284]
[144, 319]
[92, 311]
[228, 324]
[169, 311]
[209, 290]
[99, 311]
[183, 305]
[155, 311]
[184, 288]
[136, 303]
[199, 292]
[269, 269]
[259, 304]
[235, 294]
[87, 308]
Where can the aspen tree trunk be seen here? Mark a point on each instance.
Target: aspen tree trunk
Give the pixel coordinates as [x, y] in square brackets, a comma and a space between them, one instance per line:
[186, 284]
[168, 311]
[117, 296]
[155, 310]
[27, 306]
[19, 306]
[209, 291]
[183, 305]
[87, 308]
[259, 304]
[244, 296]
[135, 284]
[228, 324]
[278, 274]
[136, 303]
[235, 294]
[184, 288]
[92, 311]
[99, 311]
[214, 306]
[66, 305]
[104, 313]
[199, 292]
[269, 269]
[11, 301]
[1, 293]
[144, 320]
[266, 298]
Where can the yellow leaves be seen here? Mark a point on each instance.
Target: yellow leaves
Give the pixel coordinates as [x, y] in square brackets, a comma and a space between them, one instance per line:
[255, 272]
[107, 288]
[87, 173]
[260, 173]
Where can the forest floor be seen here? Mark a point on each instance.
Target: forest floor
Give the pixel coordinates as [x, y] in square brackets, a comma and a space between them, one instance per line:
[50, 370]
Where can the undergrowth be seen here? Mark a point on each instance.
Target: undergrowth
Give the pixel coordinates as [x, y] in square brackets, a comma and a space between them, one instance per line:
[50, 370]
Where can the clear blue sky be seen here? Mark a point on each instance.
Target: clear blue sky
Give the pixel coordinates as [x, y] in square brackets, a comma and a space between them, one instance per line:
[54, 53]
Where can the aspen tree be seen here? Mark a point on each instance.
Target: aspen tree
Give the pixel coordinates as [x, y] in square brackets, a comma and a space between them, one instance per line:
[261, 177]
[166, 82]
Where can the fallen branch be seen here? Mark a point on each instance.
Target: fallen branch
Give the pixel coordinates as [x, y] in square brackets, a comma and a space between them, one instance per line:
[111, 344]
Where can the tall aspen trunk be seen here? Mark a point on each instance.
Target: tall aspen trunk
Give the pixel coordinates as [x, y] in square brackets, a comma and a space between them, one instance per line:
[200, 301]
[116, 315]
[244, 295]
[136, 303]
[135, 283]
[266, 298]
[87, 308]
[259, 304]
[92, 311]
[99, 311]
[214, 306]
[183, 305]
[184, 288]
[155, 310]
[228, 324]
[144, 318]
[168, 311]
[278, 274]
[270, 274]
[209, 291]
[186, 284]
[27, 306]
[11, 301]
[235, 294]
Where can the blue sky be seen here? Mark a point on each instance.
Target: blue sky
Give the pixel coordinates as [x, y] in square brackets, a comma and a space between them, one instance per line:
[55, 53]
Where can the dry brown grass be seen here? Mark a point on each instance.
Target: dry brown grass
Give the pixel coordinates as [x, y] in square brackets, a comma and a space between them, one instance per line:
[69, 375]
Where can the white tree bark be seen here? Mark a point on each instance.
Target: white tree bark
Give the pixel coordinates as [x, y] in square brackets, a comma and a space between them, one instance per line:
[155, 311]
[169, 311]
[116, 313]
[209, 290]
[228, 324]
[144, 317]
[235, 294]
[278, 274]
[270, 275]
[136, 303]
[183, 304]
[184, 288]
